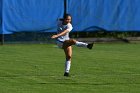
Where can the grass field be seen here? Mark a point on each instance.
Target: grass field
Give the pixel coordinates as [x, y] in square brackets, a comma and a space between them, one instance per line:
[38, 68]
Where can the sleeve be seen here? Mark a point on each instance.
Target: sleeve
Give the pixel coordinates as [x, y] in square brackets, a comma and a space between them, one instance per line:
[59, 23]
[69, 27]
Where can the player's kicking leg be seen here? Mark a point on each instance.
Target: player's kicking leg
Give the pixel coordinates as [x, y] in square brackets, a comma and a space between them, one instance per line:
[77, 43]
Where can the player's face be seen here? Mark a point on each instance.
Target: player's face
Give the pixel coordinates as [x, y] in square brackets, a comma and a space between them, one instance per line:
[67, 20]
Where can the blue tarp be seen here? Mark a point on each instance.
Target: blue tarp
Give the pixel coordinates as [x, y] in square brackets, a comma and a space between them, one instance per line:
[31, 15]
[110, 15]
[88, 15]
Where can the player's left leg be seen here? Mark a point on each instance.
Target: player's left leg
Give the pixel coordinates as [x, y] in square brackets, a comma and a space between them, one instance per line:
[68, 53]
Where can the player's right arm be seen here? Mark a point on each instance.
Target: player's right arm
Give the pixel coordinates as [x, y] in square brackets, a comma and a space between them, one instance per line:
[60, 34]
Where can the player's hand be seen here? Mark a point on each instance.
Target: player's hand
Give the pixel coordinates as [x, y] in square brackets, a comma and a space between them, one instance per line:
[54, 36]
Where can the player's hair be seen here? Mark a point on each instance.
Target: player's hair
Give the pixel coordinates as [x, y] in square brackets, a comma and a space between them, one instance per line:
[64, 17]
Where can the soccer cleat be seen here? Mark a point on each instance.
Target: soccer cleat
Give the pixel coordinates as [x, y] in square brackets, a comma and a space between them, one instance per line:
[89, 46]
[66, 74]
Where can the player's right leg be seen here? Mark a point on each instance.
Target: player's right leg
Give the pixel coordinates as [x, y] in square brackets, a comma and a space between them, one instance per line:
[82, 44]
[77, 43]
[90, 45]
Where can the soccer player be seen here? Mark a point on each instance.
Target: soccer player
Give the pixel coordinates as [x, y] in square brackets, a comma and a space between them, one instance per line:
[64, 42]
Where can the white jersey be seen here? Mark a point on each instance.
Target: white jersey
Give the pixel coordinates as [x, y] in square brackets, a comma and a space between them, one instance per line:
[61, 28]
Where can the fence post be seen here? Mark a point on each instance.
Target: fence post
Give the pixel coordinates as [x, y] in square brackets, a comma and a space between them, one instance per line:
[2, 39]
[65, 7]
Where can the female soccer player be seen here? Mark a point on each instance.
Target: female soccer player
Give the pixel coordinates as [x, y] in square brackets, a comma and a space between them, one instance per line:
[64, 42]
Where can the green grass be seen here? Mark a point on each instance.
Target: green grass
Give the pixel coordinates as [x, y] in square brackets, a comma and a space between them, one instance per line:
[108, 68]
